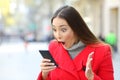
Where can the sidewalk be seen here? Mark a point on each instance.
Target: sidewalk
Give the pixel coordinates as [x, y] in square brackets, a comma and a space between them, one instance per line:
[18, 63]
[116, 65]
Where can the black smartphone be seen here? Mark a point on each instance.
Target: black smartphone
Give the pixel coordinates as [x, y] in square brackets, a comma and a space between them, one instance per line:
[46, 54]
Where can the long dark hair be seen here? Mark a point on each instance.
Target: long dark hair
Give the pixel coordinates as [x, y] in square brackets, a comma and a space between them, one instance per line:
[77, 24]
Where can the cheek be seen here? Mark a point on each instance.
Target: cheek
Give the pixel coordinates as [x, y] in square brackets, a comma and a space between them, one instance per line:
[68, 36]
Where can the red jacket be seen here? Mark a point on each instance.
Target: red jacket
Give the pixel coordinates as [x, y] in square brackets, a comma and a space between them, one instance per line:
[73, 69]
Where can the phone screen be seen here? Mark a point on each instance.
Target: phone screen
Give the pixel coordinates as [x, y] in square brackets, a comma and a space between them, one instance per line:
[46, 54]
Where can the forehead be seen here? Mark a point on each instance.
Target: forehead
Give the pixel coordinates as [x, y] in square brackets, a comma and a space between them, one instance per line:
[59, 21]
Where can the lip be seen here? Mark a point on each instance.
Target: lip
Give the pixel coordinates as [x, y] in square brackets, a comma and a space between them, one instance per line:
[63, 43]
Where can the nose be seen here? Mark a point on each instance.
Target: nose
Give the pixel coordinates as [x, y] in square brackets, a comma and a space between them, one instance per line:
[58, 35]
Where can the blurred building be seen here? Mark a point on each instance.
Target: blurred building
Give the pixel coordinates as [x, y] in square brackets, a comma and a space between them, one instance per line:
[102, 16]
[30, 19]
[111, 18]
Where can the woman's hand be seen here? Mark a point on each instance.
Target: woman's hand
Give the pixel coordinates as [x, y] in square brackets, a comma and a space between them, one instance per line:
[88, 72]
[46, 67]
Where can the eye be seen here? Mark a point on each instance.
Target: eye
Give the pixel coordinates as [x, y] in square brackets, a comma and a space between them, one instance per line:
[63, 29]
[54, 29]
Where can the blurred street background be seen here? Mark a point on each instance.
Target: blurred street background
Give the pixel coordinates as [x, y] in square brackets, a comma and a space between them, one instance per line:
[25, 28]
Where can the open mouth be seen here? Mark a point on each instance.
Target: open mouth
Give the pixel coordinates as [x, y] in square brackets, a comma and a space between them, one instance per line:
[63, 43]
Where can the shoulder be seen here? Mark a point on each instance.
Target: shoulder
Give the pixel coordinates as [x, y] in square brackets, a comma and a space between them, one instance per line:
[101, 48]
[53, 45]
[102, 52]
[100, 45]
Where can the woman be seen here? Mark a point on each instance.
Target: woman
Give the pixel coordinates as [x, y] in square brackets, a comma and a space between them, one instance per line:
[78, 53]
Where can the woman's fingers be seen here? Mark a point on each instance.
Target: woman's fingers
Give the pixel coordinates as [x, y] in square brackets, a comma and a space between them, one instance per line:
[46, 60]
[47, 66]
[89, 73]
[89, 60]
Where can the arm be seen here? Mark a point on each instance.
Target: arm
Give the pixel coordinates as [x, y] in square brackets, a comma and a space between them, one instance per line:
[40, 77]
[88, 72]
[46, 67]
[105, 71]
[104, 64]
[44, 74]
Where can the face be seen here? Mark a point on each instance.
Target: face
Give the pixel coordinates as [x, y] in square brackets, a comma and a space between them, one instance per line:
[63, 33]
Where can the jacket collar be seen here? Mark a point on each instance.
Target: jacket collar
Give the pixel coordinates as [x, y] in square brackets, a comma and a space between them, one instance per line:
[73, 65]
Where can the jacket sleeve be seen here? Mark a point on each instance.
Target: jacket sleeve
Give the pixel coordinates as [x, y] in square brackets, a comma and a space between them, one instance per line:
[40, 77]
[52, 45]
[105, 71]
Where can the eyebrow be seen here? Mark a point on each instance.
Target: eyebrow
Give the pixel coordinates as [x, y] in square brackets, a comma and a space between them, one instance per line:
[59, 26]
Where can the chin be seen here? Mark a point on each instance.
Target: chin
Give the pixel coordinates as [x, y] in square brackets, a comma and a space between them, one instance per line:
[66, 47]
